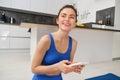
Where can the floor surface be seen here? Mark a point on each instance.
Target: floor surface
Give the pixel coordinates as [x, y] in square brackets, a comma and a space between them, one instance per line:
[16, 66]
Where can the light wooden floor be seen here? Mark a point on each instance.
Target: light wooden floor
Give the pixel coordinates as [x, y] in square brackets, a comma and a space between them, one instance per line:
[16, 66]
[96, 69]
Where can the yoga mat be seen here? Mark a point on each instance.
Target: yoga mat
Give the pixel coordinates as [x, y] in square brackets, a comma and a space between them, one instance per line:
[108, 76]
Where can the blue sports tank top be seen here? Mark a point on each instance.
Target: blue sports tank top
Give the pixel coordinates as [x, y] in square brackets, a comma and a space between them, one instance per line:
[52, 56]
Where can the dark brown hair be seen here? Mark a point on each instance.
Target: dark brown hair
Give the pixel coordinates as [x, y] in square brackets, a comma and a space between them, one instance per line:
[67, 6]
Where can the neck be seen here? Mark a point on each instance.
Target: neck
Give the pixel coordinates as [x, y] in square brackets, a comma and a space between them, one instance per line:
[62, 34]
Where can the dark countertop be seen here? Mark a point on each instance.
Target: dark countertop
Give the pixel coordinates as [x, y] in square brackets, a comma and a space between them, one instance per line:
[27, 16]
[105, 29]
[85, 27]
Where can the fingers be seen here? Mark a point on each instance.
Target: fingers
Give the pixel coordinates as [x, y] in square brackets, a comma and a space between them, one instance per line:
[78, 69]
[67, 62]
[65, 68]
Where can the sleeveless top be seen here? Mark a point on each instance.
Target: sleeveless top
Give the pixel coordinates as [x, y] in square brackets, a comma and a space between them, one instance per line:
[52, 56]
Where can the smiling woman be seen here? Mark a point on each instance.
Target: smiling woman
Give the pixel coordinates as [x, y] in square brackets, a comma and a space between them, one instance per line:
[56, 50]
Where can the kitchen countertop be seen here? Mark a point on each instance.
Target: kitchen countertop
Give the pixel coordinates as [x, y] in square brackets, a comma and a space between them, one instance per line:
[101, 27]
[31, 25]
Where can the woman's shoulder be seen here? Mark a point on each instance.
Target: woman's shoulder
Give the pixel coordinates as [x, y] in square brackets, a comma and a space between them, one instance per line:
[45, 38]
[44, 41]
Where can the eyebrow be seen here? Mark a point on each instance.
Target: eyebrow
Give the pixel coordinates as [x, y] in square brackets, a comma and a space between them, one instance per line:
[66, 14]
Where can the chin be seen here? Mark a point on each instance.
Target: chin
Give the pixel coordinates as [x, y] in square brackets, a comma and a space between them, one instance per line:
[67, 30]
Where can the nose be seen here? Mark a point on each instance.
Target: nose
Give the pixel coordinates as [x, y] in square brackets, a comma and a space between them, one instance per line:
[67, 18]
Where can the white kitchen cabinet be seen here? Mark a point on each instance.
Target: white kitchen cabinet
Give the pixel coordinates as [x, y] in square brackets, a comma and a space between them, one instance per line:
[19, 31]
[4, 42]
[20, 37]
[14, 37]
[48, 6]
[21, 4]
[17, 4]
[39, 5]
[93, 45]
[117, 14]
[4, 39]
[87, 9]
[19, 43]
[53, 6]
[116, 41]
[4, 30]
[6, 3]
[44, 6]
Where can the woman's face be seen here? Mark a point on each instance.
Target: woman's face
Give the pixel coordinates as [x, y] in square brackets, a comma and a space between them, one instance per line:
[66, 19]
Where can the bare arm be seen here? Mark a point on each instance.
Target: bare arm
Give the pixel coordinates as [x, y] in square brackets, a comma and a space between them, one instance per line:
[42, 47]
[54, 69]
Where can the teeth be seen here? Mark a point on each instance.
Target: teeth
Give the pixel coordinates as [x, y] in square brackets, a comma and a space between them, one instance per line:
[67, 24]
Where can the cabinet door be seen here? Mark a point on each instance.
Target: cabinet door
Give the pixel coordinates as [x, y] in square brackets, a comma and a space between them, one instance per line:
[4, 36]
[39, 5]
[53, 6]
[4, 42]
[6, 3]
[4, 30]
[17, 31]
[21, 43]
[48, 6]
[21, 4]
[52, 9]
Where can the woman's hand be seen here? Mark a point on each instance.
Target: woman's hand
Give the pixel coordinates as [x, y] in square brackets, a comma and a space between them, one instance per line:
[64, 67]
[79, 68]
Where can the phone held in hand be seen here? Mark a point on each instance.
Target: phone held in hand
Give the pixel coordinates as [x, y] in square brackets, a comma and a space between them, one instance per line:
[78, 63]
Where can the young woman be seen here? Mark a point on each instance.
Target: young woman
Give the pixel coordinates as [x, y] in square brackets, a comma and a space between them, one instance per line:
[55, 51]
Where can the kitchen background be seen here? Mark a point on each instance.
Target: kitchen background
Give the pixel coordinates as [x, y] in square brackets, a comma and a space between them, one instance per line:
[95, 45]
[87, 13]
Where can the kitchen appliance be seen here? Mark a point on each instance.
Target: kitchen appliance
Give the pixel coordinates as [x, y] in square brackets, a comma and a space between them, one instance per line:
[106, 16]
[2, 17]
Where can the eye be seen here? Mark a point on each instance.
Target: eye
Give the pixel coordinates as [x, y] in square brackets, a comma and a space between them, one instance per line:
[72, 17]
[63, 16]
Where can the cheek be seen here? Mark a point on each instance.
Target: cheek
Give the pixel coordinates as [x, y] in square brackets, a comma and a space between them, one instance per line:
[73, 23]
